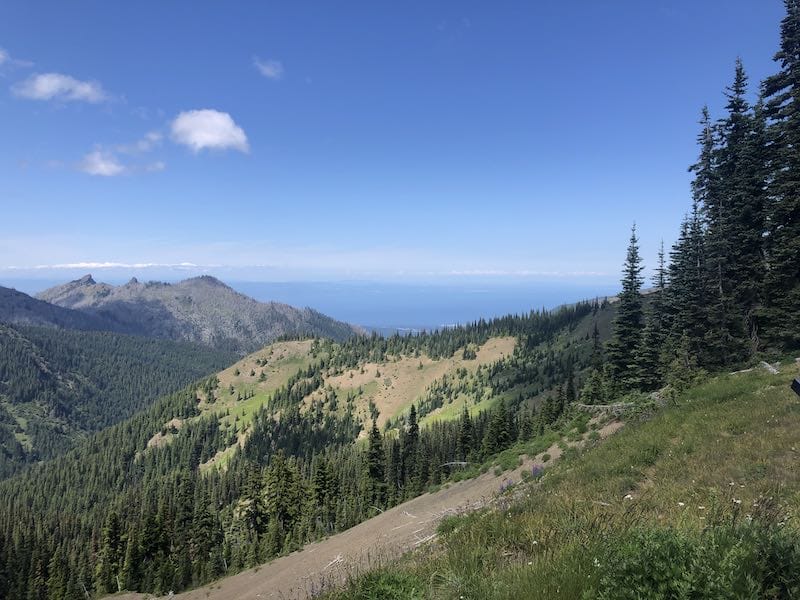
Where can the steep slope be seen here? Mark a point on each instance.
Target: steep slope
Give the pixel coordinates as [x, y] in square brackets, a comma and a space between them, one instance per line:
[56, 385]
[18, 308]
[695, 502]
[235, 469]
[201, 309]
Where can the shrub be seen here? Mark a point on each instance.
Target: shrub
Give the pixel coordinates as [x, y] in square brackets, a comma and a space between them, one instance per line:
[386, 586]
[749, 560]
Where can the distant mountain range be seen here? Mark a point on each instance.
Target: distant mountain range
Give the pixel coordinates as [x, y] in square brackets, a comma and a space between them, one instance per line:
[21, 309]
[200, 309]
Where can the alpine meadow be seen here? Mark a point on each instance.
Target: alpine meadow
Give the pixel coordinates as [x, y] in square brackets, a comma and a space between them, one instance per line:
[166, 435]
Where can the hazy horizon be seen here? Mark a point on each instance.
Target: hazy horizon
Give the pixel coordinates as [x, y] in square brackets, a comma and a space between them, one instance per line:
[386, 305]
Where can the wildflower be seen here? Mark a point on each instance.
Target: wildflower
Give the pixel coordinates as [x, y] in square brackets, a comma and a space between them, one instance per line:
[681, 504]
[628, 497]
[535, 542]
[596, 563]
[701, 507]
[737, 501]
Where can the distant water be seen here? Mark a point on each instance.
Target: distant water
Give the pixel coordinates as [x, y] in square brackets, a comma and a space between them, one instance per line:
[387, 307]
[390, 306]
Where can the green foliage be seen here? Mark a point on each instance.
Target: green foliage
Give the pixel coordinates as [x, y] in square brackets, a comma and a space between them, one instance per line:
[621, 350]
[380, 585]
[300, 475]
[755, 560]
[56, 386]
[650, 513]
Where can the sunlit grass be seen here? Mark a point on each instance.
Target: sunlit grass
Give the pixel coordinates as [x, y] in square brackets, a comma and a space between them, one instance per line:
[705, 464]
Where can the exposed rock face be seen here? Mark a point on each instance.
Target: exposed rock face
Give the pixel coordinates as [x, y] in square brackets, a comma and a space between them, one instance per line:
[201, 309]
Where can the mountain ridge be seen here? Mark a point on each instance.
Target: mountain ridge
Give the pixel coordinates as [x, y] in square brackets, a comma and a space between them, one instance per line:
[199, 309]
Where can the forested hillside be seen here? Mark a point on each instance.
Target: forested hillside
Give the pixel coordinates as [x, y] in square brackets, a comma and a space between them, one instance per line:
[56, 386]
[699, 501]
[235, 469]
[135, 503]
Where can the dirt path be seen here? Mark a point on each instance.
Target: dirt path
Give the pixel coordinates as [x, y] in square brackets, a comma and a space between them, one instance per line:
[387, 535]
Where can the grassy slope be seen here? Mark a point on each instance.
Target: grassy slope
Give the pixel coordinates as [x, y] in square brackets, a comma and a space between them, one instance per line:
[710, 459]
[399, 384]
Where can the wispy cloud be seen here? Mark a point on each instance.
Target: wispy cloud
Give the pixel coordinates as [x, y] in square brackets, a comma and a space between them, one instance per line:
[60, 87]
[271, 69]
[6, 60]
[110, 265]
[104, 161]
[99, 162]
[208, 129]
[151, 140]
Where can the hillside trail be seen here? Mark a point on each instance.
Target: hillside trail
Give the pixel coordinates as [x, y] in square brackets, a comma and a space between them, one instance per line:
[328, 563]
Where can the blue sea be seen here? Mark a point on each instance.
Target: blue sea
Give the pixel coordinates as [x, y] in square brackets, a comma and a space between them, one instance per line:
[405, 306]
[387, 307]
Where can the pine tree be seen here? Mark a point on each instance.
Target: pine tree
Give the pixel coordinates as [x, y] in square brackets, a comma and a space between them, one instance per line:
[497, 436]
[648, 356]
[597, 348]
[629, 321]
[727, 227]
[465, 435]
[376, 466]
[781, 313]
[111, 555]
[408, 450]
[687, 293]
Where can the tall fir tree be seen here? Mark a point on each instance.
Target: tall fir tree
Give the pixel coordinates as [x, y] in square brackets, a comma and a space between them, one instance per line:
[376, 466]
[648, 357]
[781, 311]
[626, 337]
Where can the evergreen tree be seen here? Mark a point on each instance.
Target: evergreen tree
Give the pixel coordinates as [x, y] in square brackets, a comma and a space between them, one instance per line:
[376, 466]
[498, 436]
[628, 323]
[781, 312]
[648, 357]
[687, 295]
[465, 435]
[111, 555]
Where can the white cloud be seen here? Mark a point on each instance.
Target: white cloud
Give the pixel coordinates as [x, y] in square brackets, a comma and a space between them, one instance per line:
[150, 140]
[4, 57]
[107, 265]
[271, 69]
[101, 163]
[56, 86]
[207, 128]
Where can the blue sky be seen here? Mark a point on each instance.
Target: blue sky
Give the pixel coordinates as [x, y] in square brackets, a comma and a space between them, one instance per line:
[395, 141]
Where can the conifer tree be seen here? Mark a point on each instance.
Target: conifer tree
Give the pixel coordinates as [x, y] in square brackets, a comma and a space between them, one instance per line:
[628, 323]
[465, 435]
[648, 356]
[781, 312]
[497, 436]
[376, 466]
[111, 554]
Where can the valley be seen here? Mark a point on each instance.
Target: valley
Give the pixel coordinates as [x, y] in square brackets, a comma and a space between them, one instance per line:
[443, 180]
